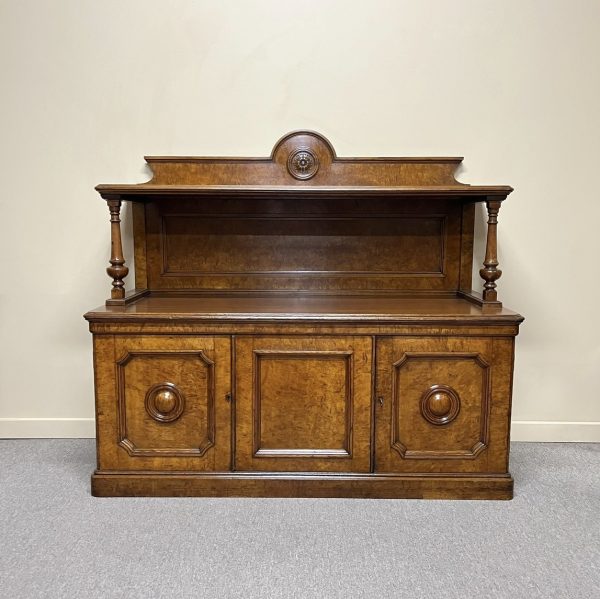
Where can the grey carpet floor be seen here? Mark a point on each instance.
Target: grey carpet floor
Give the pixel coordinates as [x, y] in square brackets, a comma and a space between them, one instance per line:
[58, 541]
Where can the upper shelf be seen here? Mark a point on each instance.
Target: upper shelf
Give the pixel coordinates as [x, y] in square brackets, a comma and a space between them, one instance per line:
[302, 163]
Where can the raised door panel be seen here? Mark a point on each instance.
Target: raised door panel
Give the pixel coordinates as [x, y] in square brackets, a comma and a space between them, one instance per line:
[303, 404]
[166, 406]
[444, 404]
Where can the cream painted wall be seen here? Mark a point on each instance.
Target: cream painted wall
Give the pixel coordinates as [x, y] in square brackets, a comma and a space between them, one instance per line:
[89, 87]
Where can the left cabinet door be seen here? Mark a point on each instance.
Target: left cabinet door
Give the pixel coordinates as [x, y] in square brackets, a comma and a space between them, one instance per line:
[162, 402]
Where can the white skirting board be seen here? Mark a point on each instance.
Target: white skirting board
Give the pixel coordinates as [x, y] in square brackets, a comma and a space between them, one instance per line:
[47, 428]
[550, 431]
[83, 428]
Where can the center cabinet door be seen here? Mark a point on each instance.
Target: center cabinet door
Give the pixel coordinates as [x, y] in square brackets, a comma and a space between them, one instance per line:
[303, 404]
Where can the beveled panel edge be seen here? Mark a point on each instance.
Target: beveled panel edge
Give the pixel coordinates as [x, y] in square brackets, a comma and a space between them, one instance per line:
[127, 444]
[481, 444]
[299, 274]
[345, 452]
[302, 453]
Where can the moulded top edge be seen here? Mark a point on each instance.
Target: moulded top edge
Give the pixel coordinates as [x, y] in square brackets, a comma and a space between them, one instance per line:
[427, 159]
[154, 189]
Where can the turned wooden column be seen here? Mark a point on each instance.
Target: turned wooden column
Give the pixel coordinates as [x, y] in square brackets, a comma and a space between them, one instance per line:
[117, 269]
[491, 273]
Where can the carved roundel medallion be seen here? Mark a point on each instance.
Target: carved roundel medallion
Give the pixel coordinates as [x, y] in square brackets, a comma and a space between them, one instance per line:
[303, 164]
[165, 402]
[440, 404]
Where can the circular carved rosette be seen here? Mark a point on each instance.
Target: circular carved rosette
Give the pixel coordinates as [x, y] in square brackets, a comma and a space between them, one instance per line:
[165, 402]
[303, 164]
[440, 404]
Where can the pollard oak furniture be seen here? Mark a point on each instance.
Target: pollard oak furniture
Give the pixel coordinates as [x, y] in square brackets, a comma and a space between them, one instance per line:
[303, 325]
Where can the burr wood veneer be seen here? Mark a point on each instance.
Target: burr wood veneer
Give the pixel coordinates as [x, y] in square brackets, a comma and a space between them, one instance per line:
[303, 325]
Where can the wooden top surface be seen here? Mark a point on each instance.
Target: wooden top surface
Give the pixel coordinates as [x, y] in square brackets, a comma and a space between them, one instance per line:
[252, 191]
[300, 307]
[302, 163]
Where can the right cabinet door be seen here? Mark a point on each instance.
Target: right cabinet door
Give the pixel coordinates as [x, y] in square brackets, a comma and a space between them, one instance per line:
[443, 404]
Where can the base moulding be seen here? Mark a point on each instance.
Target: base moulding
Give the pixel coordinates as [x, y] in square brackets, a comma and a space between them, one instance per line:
[302, 485]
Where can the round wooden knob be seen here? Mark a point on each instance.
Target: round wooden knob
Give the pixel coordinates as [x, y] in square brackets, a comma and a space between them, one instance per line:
[164, 402]
[440, 404]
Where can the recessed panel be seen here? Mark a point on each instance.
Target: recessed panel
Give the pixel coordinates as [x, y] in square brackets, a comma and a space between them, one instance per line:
[303, 403]
[166, 403]
[440, 405]
[393, 245]
[437, 408]
[309, 243]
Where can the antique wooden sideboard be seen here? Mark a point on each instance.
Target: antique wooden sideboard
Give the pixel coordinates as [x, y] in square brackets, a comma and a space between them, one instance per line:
[303, 325]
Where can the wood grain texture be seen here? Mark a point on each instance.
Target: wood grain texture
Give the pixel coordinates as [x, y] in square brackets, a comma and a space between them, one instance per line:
[483, 377]
[200, 245]
[325, 246]
[471, 442]
[138, 215]
[128, 367]
[297, 307]
[466, 247]
[303, 325]
[322, 327]
[144, 409]
[186, 175]
[490, 272]
[496, 487]
[303, 403]
[117, 269]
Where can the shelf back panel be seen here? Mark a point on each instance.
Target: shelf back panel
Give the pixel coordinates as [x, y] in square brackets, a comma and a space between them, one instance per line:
[310, 244]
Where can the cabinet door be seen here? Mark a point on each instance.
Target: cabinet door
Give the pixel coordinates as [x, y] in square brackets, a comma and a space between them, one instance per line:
[303, 404]
[444, 404]
[162, 402]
